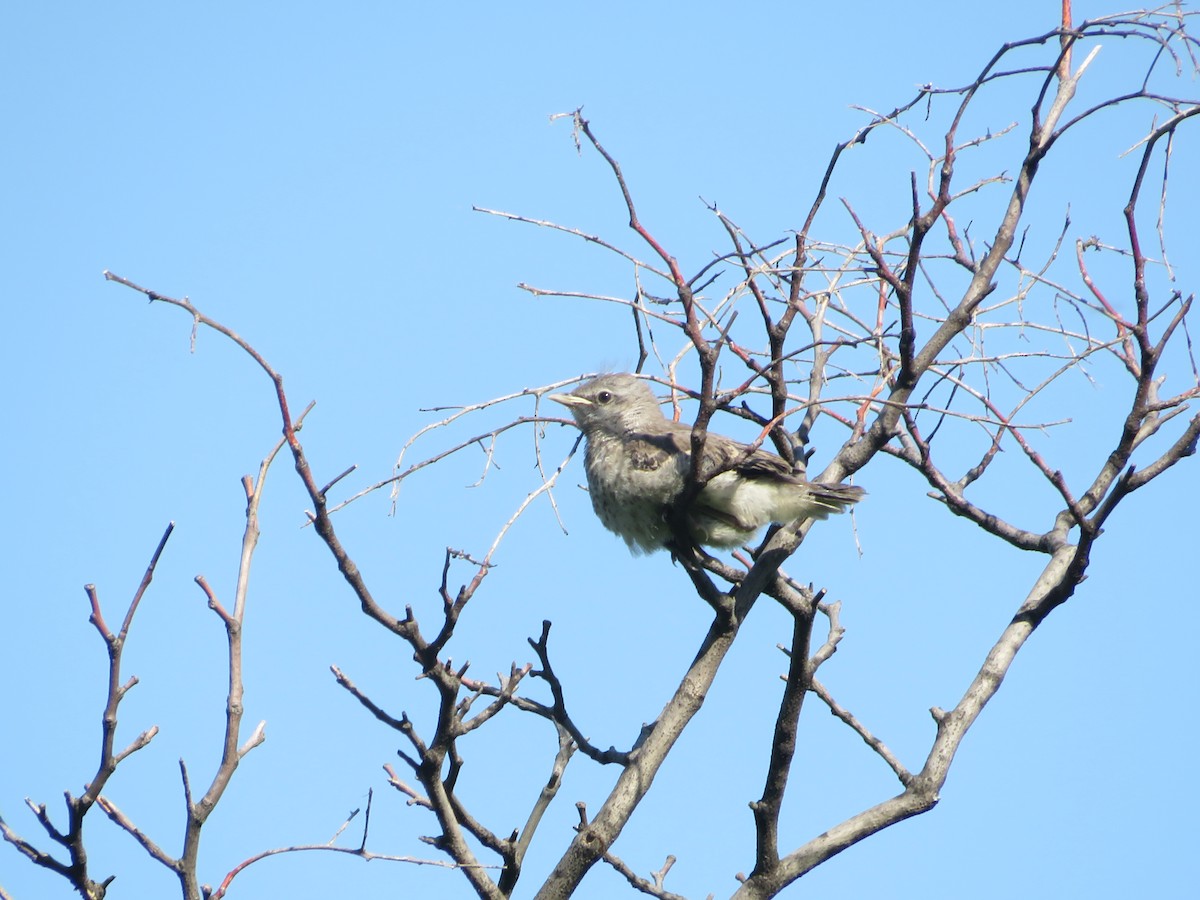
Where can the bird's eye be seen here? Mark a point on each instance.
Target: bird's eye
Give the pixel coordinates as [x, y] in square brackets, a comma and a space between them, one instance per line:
[604, 396]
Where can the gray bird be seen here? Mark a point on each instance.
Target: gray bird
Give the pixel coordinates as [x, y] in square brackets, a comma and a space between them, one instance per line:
[637, 462]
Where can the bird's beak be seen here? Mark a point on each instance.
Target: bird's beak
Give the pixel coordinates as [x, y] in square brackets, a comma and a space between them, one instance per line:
[570, 400]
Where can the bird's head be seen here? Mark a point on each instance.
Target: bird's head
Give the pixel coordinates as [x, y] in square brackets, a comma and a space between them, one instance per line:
[617, 404]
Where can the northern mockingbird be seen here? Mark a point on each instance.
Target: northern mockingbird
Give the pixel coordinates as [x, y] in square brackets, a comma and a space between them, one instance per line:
[637, 462]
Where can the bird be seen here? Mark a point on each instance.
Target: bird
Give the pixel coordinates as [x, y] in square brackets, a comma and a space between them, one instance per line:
[637, 461]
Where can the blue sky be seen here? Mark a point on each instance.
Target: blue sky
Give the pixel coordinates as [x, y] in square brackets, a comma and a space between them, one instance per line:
[306, 175]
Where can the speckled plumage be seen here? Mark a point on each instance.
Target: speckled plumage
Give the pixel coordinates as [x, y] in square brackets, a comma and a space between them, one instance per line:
[637, 462]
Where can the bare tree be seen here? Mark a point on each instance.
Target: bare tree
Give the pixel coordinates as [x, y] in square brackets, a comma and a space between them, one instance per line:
[949, 335]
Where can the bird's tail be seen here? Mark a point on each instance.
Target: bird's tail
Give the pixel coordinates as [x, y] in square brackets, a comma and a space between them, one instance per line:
[826, 499]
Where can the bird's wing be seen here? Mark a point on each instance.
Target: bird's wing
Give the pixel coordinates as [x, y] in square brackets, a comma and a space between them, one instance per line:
[762, 464]
[721, 452]
[832, 497]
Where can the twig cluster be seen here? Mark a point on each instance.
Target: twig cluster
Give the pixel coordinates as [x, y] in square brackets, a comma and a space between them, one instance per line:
[903, 341]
